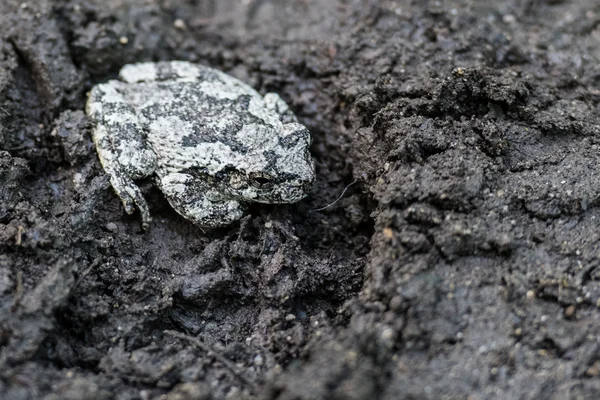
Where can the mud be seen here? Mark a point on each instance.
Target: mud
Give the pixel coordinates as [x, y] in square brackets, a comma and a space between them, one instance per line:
[461, 263]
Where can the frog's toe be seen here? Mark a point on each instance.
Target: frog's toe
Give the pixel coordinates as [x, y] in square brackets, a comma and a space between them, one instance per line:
[131, 196]
[135, 196]
[129, 207]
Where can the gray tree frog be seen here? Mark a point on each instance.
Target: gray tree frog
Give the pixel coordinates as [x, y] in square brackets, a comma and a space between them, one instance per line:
[212, 142]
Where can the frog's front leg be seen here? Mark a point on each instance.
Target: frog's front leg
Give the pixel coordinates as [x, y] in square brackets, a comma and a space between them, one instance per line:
[119, 140]
[198, 202]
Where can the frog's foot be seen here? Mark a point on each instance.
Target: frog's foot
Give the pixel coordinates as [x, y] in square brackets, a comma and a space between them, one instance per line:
[194, 201]
[277, 104]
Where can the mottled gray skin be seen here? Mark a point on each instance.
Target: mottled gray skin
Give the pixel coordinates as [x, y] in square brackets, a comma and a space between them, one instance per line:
[212, 141]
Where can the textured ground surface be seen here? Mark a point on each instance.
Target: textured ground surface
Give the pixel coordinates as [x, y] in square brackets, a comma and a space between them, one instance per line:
[464, 263]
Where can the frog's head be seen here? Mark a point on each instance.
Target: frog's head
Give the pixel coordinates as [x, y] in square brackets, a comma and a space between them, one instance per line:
[285, 173]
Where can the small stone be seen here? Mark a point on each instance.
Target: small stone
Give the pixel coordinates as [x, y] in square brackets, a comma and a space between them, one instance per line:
[518, 332]
[387, 334]
[290, 317]
[179, 24]
[508, 19]
[388, 233]
[258, 360]
[530, 295]
[570, 311]
[234, 393]
[594, 370]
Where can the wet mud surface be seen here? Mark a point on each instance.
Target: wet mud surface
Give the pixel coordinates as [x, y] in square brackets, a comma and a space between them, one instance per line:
[463, 263]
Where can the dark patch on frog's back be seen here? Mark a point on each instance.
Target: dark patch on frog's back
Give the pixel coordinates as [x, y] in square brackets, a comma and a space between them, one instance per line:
[196, 139]
[116, 109]
[186, 101]
[201, 108]
[193, 105]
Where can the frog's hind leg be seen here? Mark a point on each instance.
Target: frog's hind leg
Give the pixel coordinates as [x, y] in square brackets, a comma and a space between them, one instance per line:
[119, 140]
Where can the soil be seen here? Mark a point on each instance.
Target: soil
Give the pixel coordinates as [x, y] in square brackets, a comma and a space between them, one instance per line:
[463, 261]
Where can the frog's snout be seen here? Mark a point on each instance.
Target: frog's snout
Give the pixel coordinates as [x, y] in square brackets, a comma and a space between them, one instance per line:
[293, 194]
[298, 188]
[306, 181]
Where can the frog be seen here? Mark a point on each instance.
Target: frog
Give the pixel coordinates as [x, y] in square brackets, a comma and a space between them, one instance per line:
[211, 143]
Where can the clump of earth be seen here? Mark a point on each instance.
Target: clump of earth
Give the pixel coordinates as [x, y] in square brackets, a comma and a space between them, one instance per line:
[448, 249]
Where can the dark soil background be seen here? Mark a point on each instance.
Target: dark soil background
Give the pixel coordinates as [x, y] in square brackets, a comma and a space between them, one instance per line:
[463, 263]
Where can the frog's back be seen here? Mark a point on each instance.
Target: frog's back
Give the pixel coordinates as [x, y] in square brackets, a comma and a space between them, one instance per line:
[192, 118]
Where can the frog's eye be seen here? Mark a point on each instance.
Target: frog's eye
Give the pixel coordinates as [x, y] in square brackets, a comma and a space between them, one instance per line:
[261, 181]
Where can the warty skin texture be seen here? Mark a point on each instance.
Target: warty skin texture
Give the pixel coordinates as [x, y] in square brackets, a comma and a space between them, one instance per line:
[212, 142]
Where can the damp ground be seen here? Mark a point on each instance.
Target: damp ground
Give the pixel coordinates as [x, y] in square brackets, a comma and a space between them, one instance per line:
[462, 263]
